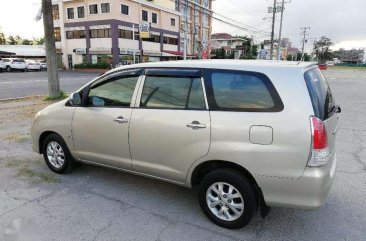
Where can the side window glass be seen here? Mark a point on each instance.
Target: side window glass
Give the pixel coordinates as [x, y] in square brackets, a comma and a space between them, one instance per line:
[116, 92]
[236, 91]
[172, 93]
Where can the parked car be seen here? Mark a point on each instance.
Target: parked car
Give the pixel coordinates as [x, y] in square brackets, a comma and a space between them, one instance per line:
[251, 134]
[43, 64]
[33, 65]
[323, 66]
[2, 65]
[14, 64]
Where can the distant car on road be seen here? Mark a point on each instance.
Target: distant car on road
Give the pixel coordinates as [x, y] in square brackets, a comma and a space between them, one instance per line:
[14, 64]
[43, 64]
[33, 65]
[2, 65]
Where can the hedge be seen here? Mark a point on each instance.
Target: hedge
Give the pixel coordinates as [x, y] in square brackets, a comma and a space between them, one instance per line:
[101, 65]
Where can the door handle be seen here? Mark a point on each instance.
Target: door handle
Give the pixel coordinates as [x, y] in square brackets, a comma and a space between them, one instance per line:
[120, 120]
[196, 125]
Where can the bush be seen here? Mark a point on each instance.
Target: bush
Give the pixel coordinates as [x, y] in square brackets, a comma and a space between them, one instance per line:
[101, 65]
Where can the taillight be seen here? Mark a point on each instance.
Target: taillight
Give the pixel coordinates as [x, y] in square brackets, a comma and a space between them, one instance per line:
[320, 153]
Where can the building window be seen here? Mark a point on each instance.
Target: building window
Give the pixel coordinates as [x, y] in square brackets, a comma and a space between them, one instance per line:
[154, 18]
[125, 9]
[145, 15]
[172, 21]
[127, 34]
[55, 12]
[93, 9]
[81, 12]
[172, 41]
[101, 33]
[70, 13]
[57, 32]
[76, 34]
[105, 8]
[153, 38]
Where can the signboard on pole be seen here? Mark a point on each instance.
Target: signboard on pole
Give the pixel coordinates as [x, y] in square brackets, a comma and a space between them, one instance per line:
[144, 28]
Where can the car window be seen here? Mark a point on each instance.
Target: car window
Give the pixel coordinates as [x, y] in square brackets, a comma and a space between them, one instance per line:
[242, 91]
[320, 93]
[116, 92]
[172, 93]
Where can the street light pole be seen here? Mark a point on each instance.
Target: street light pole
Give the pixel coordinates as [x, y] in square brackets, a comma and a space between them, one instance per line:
[273, 27]
[185, 46]
[279, 37]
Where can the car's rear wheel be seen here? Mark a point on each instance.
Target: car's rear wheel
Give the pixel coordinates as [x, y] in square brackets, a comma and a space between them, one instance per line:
[227, 198]
[57, 154]
[8, 68]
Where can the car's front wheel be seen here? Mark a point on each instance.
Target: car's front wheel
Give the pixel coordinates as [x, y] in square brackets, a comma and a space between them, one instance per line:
[8, 68]
[57, 154]
[227, 198]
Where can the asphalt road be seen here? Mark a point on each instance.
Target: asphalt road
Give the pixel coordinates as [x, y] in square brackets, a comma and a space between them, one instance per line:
[94, 203]
[20, 84]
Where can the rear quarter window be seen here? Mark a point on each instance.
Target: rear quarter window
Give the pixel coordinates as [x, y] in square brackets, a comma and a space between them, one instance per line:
[230, 90]
[320, 94]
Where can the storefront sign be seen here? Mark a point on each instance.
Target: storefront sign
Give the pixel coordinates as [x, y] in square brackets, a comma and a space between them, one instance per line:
[144, 29]
[80, 51]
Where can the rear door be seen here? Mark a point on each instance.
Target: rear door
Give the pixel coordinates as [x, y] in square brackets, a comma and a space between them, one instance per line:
[323, 102]
[170, 128]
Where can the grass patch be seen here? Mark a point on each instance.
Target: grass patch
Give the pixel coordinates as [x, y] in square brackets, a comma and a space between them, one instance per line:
[14, 163]
[17, 137]
[63, 95]
[37, 176]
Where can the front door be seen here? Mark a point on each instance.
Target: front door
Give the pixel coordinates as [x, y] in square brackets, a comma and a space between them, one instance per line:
[100, 129]
[171, 128]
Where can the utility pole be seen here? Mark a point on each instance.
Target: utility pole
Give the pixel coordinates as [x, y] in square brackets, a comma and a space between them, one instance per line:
[52, 71]
[185, 46]
[304, 33]
[280, 34]
[273, 27]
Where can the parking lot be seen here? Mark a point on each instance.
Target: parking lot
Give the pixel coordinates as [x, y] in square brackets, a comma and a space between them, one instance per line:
[94, 203]
[20, 84]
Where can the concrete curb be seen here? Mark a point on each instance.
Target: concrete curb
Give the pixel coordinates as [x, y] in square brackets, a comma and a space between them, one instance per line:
[21, 98]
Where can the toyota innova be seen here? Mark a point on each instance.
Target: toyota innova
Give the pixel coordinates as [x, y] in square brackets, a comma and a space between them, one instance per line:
[249, 134]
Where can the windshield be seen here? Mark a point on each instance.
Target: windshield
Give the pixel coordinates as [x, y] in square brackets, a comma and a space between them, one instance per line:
[320, 94]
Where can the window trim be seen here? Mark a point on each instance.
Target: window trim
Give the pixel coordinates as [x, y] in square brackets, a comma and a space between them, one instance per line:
[67, 12]
[152, 18]
[77, 11]
[110, 77]
[172, 20]
[101, 9]
[91, 4]
[278, 104]
[142, 17]
[141, 87]
[128, 9]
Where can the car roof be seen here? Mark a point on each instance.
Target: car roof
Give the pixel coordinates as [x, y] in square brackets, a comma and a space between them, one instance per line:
[250, 65]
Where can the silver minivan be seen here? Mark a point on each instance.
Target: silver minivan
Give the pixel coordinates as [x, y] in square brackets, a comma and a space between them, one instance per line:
[249, 134]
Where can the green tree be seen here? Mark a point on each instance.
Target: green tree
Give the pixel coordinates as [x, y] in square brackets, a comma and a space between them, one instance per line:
[219, 53]
[322, 49]
[38, 41]
[2, 37]
[27, 42]
[11, 40]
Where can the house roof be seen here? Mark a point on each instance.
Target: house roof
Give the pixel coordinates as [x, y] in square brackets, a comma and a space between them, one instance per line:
[25, 50]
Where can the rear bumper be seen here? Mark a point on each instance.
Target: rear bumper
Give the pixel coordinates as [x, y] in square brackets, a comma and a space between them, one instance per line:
[308, 192]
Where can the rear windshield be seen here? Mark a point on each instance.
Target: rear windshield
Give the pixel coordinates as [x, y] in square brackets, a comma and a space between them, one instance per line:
[320, 94]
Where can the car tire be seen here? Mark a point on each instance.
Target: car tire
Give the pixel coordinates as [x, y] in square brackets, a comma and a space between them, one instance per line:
[8, 68]
[236, 202]
[57, 155]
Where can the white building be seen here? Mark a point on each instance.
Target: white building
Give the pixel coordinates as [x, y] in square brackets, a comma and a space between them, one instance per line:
[91, 31]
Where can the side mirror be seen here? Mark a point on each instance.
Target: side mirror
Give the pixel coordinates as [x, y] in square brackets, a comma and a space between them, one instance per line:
[75, 99]
[97, 102]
